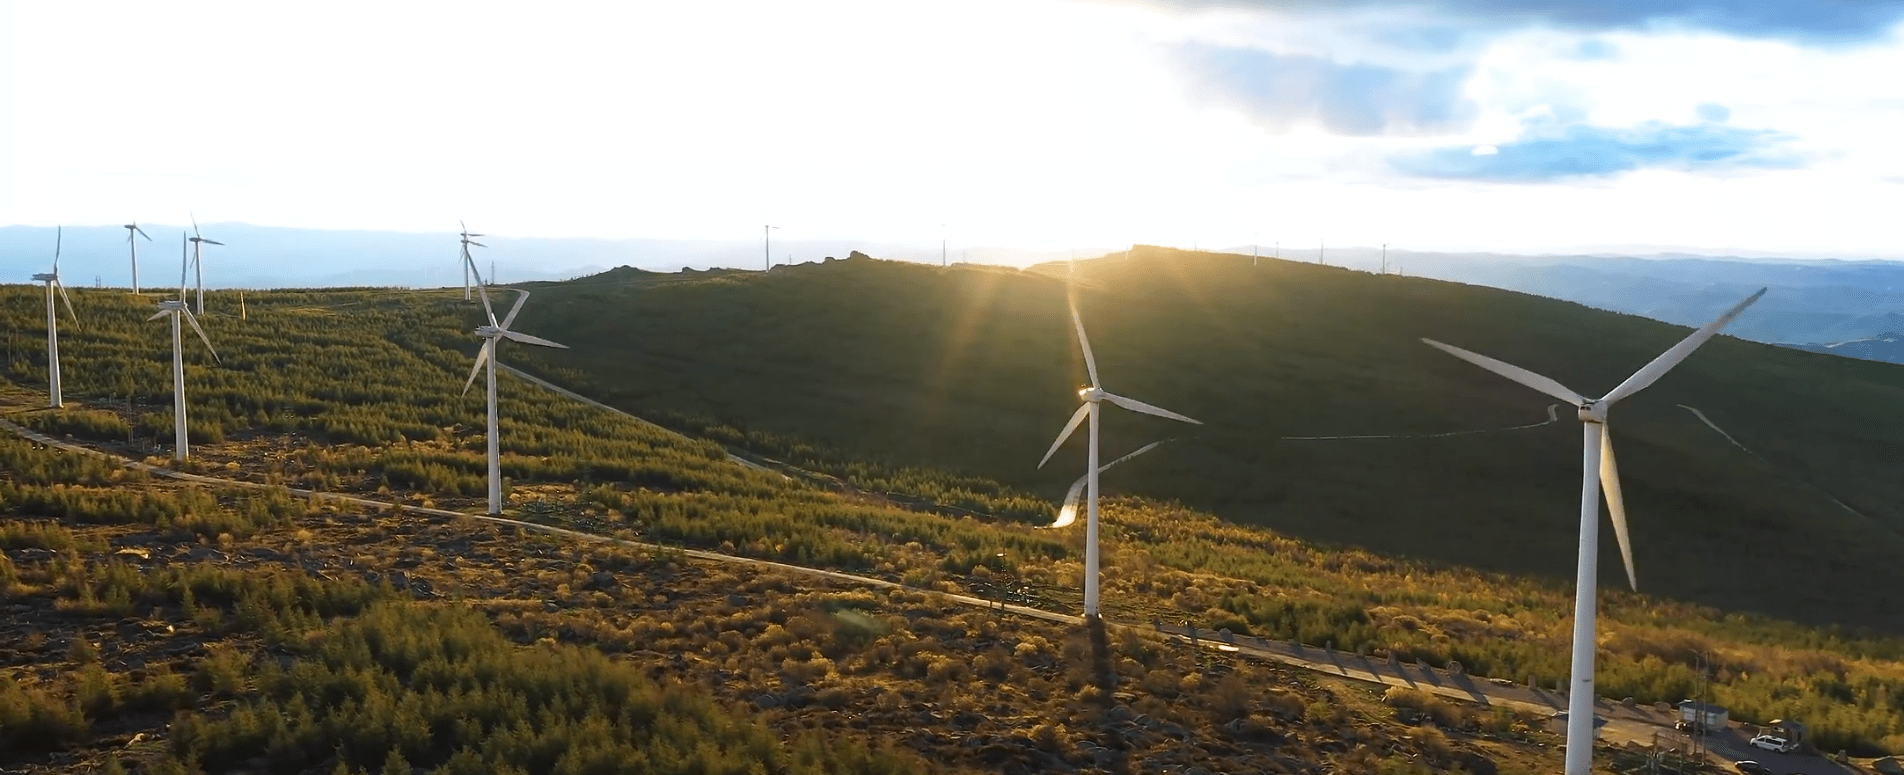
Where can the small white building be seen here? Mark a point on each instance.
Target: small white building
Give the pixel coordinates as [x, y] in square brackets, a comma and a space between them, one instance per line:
[1703, 715]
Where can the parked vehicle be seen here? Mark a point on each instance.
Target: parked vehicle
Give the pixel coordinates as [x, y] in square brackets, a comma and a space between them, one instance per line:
[1750, 767]
[1774, 743]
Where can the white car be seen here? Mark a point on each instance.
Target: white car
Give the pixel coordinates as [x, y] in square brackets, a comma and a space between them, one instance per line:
[1772, 743]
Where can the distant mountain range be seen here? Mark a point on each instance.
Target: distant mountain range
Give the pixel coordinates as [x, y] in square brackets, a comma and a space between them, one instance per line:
[273, 257]
[1811, 302]
[1887, 347]
[1814, 303]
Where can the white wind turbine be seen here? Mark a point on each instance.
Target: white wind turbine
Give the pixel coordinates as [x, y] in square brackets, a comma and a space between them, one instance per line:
[132, 229]
[469, 264]
[487, 355]
[1092, 396]
[197, 242]
[52, 322]
[1597, 454]
[178, 309]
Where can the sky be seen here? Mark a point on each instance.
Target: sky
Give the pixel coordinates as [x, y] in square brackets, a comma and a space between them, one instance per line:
[1504, 125]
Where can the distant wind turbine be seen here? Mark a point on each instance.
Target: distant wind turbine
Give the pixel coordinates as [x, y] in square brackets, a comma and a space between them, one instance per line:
[132, 229]
[52, 281]
[178, 309]
[766, 238]
[1597, 454]
[469, 264]
[1092, 396]
[197, 242]
[487, 355]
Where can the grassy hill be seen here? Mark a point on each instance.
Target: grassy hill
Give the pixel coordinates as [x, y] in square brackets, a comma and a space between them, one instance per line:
[973, 370]
[356, 390]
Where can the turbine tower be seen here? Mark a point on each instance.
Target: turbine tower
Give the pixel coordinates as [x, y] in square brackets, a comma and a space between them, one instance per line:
[181, 449]
[52, 322]
[132, 229]
[1092, 396]
[197, 242]
[487, 355]
[1597, 455]
[469, 264]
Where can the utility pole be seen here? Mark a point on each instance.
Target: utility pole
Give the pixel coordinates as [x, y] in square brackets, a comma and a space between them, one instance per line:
[1384, 258]
[1699, 729]
[942, 239]
[1322, 252]
[766, 238]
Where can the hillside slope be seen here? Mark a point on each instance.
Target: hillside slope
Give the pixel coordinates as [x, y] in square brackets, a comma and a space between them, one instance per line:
[973, 370]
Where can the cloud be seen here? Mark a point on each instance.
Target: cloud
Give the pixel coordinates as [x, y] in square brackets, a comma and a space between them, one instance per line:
[1714, 112]
[1550, 152]
[1347, 99]
[1818, 23]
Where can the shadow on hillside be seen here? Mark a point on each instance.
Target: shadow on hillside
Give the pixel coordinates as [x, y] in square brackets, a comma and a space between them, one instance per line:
[1104, 676]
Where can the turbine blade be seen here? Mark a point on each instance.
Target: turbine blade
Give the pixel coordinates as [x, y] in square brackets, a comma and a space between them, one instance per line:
[481, 355]
[511, 317]
[211, 242]
[1616, 503]
[1068, 513]
[1139, 406]
[59, 236]
[159, 314]
[527, 339]
[1090, 363]
[141, 232]
[1083, 411]
[68, 299]
[477, 244]
[194, 223]
[201, 333]
[1512, 372]
[1667, 360]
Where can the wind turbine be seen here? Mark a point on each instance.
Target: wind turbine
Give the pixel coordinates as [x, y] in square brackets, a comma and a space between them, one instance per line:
[487, 355]
[52, 322]
[177, 309]
[131, 229]
[197, 242]
[766, 238]
[1597, 454]
[469, 263]
[1092, 396]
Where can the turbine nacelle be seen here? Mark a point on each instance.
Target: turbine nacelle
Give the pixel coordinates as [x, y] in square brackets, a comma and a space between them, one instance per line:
[490, 332]
[45, 277]
[1595, 411]
[170, 305]
[1092, 394]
